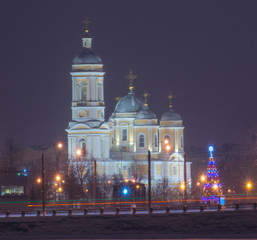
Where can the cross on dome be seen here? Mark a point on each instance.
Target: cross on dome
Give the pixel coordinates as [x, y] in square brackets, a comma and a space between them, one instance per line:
[86, 22]
[131, 77]
[170, 97]
[146, 96]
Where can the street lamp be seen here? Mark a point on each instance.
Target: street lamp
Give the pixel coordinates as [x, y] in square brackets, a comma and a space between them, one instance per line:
[167, 148]
[59, 148]
[58, 179]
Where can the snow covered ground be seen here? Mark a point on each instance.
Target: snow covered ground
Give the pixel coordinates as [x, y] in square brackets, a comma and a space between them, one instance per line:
[224, 224]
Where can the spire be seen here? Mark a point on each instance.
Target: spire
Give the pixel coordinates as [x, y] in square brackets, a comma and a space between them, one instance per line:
[170, 97]
[131, 77]
[146, 96]
[87, 39]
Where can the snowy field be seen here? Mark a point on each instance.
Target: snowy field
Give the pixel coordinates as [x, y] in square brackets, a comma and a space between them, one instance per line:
[205, 225]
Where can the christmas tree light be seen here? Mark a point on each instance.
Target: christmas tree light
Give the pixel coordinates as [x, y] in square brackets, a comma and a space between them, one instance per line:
[212, 187]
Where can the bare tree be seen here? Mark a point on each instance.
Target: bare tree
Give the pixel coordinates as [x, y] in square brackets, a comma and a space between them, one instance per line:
[138, 171]
[10, 150]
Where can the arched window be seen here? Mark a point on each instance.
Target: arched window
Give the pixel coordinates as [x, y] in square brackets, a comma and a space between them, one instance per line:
[124, 135]
[167, 138]
[83, 147]
[100, 91]
[83, 93]
[155, 140]
[141, 141]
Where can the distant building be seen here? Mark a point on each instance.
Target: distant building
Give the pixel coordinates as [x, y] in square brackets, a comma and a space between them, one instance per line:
[120, 145]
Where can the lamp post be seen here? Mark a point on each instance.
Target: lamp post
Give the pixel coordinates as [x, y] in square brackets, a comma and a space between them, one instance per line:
[58, 179]
[59, 148]
[248, 187]
[43, 185]
[167, 148]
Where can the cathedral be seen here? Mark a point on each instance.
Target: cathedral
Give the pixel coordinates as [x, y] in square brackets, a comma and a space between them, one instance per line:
[120, 145]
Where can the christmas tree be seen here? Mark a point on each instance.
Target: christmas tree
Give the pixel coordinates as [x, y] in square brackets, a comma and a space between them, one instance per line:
[212, 187]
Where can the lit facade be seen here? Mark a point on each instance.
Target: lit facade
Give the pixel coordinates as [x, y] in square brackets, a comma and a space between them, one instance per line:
[120, 145]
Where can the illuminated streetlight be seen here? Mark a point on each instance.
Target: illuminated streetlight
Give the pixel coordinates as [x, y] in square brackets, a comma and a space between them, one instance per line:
[39, 180]
[58, 178]
[182, 186]
[249, 185]
[198, 184]
[137, 186]
[59, 189]
[203, 178]
[59, 145]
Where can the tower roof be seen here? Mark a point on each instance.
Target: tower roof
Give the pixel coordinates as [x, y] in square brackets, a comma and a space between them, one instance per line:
[171, 115]
[87, 56]
[145, 113]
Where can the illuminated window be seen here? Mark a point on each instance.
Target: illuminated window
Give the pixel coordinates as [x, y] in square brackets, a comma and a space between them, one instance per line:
[124, 135]
[12, 190]
[141, 140]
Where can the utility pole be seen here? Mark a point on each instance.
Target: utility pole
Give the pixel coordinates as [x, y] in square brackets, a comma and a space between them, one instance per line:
[43, 185]
[149, 180]
[185, 179]
[94, 180]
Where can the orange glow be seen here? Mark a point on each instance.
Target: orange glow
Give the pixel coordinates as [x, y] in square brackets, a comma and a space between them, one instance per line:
[215, 186]
[58, 178]
[109, 181]
[126, 180]
[167, 148]
[248, 185]
[133, 180]
[59, 145]
[166, 141]
[203, 178]
[59, 189]
[182, 186]
[137, 186]
[39, 180]
[198, 184]
[78, 152]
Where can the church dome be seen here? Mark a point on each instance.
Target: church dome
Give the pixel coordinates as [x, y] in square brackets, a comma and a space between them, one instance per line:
[145, 114]
[87, 56]
[129, 103]
[171, 115]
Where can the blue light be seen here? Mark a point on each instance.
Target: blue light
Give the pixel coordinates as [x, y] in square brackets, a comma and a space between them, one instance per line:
[125, 191]
[24, 170]
[211, 149]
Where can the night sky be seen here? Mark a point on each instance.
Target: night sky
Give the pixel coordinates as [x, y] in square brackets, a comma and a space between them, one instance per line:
[204, 52]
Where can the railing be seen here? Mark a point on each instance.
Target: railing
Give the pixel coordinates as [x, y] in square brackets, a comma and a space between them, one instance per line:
[127, 211]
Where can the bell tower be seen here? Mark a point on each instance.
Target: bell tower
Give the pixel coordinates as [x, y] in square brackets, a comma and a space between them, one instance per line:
[88, 131]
